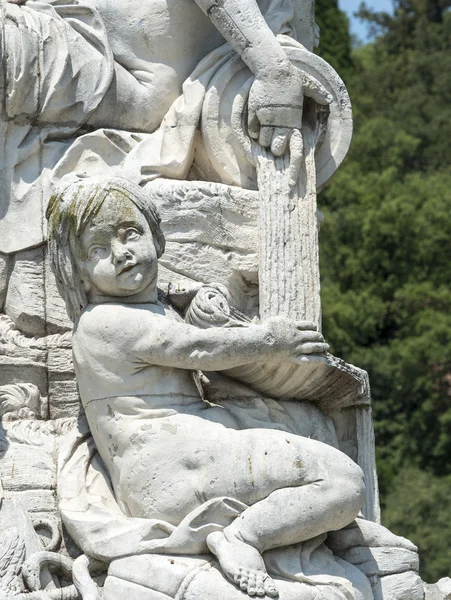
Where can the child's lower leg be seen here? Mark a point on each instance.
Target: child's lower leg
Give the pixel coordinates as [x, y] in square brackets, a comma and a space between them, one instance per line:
[287, 516]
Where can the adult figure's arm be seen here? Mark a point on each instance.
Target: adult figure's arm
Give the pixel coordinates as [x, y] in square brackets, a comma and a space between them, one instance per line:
[276, 97]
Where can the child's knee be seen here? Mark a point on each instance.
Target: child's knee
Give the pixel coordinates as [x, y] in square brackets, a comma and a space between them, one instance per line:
[351, 486]
[346, 485]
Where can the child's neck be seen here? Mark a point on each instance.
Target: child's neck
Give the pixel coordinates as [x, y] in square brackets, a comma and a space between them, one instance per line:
[147, 296]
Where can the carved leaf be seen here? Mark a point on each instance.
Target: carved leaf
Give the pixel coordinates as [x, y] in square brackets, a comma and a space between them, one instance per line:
[35, 433]
[10, 335]
[19, 401]
[12, 556]
[31, 433]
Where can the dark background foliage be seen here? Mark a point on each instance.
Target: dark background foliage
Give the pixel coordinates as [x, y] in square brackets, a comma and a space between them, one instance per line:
[385, 254]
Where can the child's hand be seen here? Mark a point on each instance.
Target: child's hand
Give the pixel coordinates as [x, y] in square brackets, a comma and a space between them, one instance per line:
[293, 339]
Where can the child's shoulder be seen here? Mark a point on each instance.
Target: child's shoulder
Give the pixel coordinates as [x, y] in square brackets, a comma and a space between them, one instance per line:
[113, 316]
[121, 317]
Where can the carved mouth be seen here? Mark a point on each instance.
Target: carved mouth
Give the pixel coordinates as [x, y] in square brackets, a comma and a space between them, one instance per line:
[128, 267]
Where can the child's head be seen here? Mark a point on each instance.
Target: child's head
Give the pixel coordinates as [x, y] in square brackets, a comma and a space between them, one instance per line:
[104, 239]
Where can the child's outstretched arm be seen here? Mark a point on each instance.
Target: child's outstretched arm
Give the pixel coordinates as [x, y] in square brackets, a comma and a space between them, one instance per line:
[174, 344]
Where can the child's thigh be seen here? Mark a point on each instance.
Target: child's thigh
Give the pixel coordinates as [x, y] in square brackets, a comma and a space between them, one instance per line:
[262, 461]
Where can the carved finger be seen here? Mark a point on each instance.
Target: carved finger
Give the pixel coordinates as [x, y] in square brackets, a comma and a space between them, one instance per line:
[306, 326]
[296, 156]
[309, 358]
[310, 336]
[315, 90]
[265, 136]
[260, 586]
[312, 348]
[279, 141]
[253, 124]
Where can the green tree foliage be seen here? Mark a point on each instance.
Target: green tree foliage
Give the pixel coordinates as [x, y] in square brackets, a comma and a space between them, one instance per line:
[385, 252]
[425, 501]
[335, 38]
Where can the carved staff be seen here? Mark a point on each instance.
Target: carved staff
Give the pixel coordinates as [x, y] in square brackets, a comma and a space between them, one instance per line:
[289, 278]
[288, 265]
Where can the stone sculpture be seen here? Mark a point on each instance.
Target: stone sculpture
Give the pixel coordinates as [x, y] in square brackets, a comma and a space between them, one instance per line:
[166, 450]
[92, 65]
[216, 449]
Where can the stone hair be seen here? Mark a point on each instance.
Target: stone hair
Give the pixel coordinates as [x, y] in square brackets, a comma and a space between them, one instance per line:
[69, 211]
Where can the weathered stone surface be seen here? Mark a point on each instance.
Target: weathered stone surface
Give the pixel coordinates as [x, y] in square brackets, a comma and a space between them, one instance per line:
[28, 467]
[383, 561]
[220, 441]
[19, 365]
[32, 301]
[402, 586]
[26, 289]
[438, 591]
[36, 502]
[444, 586]
[64, 399]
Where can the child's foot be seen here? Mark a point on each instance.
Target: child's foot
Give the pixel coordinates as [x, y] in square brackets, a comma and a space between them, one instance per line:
[242, 564]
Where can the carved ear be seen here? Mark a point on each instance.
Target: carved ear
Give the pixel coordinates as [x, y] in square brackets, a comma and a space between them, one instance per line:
[87, 286]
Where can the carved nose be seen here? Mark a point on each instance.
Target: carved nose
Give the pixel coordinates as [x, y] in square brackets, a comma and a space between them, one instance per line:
[120, 254]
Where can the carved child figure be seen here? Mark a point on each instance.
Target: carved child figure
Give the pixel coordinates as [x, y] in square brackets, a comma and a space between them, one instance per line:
[167, 450]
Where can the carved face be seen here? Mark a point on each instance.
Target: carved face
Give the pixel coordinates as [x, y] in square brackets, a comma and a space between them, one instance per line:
[116, 254]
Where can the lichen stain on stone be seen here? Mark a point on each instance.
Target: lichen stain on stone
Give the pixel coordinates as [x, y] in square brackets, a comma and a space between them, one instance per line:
[249, 462]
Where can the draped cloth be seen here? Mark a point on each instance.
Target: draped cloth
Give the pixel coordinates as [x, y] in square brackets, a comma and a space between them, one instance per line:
[57, 66]
[153, 559]
[169, 151]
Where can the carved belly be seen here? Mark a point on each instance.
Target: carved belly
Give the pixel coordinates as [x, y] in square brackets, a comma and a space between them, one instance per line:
[166, 470]
[183, 461]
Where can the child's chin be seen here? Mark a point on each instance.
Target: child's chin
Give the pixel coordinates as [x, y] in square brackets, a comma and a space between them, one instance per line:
[133, 287]
[129, 290]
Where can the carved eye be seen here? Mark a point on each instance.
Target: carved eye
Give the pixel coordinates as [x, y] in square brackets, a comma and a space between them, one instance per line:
[97, 252]
[131, 235]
